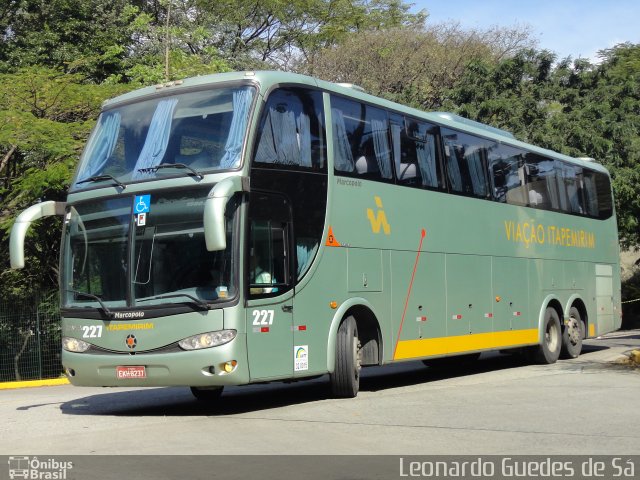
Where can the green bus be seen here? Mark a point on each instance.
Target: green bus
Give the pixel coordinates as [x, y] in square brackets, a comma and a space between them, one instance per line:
[262, 226]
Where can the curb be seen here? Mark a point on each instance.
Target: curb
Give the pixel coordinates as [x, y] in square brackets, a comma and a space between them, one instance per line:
[34, 383]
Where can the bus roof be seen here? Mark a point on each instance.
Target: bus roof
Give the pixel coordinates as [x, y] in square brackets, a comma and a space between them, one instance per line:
[270, 79]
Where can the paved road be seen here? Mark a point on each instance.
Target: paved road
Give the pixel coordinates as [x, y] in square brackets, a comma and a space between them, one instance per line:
[496, 406]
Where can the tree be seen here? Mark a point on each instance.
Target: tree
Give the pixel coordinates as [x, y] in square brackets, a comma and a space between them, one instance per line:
[45, 118]
[86, 36]
[414, 65]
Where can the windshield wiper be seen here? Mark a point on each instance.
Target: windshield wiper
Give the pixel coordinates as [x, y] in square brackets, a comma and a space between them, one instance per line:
[191, 172]
[107, 312]
[194, 300]
[106, 176]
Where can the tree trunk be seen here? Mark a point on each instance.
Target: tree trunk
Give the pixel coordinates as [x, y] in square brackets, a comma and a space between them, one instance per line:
[16, 359]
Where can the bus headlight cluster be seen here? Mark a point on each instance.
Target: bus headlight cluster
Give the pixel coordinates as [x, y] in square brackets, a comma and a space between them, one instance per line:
[207, 340]
[74, 345]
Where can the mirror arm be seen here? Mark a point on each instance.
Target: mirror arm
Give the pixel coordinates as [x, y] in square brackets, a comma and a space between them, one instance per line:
[22, 224]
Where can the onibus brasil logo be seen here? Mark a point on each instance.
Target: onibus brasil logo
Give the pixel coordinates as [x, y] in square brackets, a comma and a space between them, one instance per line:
[33, 468]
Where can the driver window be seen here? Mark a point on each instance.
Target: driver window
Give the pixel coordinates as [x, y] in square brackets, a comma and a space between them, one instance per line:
[268, 258]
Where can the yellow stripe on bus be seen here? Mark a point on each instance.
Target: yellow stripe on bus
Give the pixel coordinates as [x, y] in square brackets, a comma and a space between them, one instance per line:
[464, 343]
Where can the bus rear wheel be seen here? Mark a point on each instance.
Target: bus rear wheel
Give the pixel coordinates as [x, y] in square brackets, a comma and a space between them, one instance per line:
[572, 335]
[549, 351]
[207, 394]
[345, 380]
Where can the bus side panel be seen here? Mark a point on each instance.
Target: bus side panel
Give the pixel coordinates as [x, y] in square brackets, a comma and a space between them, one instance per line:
[511, 294]
[468, 294]
[311, 307]
[425, 315]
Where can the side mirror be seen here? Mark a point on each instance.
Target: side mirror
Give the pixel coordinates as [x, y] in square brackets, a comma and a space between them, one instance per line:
[22, 224]
[214, 210]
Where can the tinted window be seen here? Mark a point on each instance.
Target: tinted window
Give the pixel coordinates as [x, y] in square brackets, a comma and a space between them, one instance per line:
[603, 192]
[292, 130]
[571, 188]
[269, 257]
[465, 159]
[418, 163]
[361, 139]
[506, 169]
[541, 183]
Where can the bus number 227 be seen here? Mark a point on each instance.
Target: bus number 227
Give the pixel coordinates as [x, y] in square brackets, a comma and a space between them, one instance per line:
[263, 317]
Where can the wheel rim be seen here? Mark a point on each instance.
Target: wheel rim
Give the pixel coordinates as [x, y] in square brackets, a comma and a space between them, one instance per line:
[573, 331]
[552, 338]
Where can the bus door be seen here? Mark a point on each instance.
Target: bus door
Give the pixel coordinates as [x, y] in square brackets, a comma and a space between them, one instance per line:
[268, 267]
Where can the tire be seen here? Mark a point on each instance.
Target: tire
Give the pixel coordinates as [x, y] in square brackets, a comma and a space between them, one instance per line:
[345, 380]
[549, 351]
[452, 362]
[572, 335]
[207, 394]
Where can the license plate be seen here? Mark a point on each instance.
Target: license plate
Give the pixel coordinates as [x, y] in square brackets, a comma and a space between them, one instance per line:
[131, 372]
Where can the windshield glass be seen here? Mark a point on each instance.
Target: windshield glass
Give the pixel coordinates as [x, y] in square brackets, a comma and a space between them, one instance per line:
[203, 130]
[129, 259]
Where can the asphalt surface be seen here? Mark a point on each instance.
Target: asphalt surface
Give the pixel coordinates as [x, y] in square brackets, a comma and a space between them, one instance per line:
[497, 405]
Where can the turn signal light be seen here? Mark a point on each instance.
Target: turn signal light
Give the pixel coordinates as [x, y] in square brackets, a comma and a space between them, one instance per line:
[230, 366]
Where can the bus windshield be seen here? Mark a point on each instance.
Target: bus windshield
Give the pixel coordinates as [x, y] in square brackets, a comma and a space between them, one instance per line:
[114, 257]
[202, 130]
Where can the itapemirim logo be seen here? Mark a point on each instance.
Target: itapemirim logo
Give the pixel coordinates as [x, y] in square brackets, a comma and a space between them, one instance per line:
[35, 469]
[379, 219]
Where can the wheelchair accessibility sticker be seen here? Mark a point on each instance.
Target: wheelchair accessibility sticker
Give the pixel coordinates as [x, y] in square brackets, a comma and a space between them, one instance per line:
[141, 204]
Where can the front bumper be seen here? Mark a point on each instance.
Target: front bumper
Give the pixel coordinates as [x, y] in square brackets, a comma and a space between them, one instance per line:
[198, 368]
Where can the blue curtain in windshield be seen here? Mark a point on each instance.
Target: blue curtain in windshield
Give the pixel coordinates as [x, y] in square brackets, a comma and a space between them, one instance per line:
[101, 144]
[155, 145]
[241, 103]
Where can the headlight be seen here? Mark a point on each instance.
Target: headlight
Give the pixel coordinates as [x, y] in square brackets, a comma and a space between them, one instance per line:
[74, 345]
[207, 340]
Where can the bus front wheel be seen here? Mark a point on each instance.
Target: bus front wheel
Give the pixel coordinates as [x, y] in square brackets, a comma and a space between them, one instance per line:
[572, 335]
[345, 380]
[549, 351]
[207, 394]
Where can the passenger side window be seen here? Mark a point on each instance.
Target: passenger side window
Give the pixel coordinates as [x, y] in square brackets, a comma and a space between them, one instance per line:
[507, 173]
[419, 164]
[542, 185]
[466, 163]
[361, 137]
[292, 131]
[570, 185]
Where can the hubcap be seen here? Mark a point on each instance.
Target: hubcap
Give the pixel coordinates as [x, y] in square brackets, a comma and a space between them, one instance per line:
[573, 331]
[551, 337]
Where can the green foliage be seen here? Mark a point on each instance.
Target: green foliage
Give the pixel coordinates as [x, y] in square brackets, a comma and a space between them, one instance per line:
[87, 36]
[60, 59]
[45, 118]
[575, 108]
